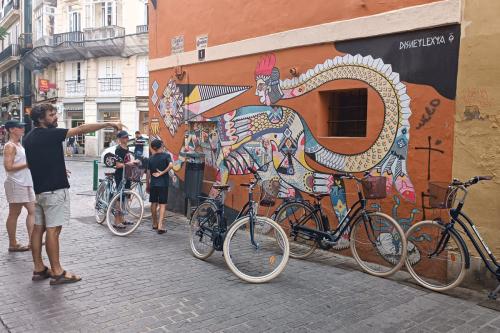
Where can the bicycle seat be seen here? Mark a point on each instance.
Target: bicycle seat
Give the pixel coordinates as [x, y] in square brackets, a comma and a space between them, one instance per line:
[109, 174]
[221, 187]
[319, 196]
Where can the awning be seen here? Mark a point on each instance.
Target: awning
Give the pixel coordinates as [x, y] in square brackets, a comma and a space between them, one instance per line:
[73, 107]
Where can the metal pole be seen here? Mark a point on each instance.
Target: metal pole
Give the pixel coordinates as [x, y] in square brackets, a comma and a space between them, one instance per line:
[96, 168]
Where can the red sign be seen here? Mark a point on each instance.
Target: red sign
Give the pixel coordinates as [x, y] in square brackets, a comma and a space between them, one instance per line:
[43, 85]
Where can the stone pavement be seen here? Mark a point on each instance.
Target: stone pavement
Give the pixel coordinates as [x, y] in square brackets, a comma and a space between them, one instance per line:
[149, 282]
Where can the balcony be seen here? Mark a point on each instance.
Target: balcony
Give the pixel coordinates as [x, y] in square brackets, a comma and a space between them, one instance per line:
[110, 86]
[12, 90]
[75, 88]
[73, 36]
[109, 41]
[10, 14]
[111, 31]
[25, 42]
[140, 29]
[142, 86]
[9, 57]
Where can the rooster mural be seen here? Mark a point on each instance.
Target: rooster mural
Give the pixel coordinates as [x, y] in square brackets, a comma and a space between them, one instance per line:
[276, 140]
[239, 131]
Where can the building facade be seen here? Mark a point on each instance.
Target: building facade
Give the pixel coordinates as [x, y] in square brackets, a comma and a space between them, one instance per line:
[11, 71]
[90, 59]
[339, 86]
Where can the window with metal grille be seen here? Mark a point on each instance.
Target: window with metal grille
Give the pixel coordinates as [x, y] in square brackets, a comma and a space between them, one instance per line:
[347, 112]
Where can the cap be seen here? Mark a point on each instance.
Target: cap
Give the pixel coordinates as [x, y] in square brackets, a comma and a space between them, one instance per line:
[122, 134]
[13, 123]
[156, 144]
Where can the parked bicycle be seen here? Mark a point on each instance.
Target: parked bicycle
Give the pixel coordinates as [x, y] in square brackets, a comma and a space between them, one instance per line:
[377, 241]
[255, 247]
[440, 256]
[120, 207]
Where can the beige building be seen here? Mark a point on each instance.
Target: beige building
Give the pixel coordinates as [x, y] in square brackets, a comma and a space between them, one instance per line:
[476, 149]
[11, 18]
[90, 59]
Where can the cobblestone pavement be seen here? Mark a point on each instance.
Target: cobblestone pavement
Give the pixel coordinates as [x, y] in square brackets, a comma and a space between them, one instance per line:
[150, 282]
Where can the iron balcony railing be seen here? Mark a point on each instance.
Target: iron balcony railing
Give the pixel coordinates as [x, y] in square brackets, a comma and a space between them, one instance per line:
[25, 41]
[108, 85]
[10, 51]
[142, 83]
[141, 28]
[75, 87]
[73, 36]
[13, 88]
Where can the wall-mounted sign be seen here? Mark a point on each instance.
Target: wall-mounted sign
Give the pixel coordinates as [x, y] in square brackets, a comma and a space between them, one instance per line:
[177, 44]
[43, 85]
[201, 42]
[201, 45]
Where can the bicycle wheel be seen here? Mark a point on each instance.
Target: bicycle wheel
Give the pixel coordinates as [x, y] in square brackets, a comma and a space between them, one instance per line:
[123, 217]
[302, 244]
[101, 202]
[261, 262]
[145, 199]
[433, 262]
[202, 223]
[378, 244]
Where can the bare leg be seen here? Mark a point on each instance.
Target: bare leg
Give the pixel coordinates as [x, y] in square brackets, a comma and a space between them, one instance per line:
[30, 219]
[36, 247]
[162, 216]
[14, 211]
[154, 214]
[52, 248]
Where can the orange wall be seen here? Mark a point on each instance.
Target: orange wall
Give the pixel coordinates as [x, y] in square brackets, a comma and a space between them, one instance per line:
[231, 20]
[240, 71]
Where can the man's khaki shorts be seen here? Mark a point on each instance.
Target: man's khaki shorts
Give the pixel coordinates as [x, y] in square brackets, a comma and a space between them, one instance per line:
[52, 209]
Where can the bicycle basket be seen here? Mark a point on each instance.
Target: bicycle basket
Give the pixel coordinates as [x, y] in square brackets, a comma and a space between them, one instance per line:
[374, 187]
[269, 193]
[133, 173]
[441, 195]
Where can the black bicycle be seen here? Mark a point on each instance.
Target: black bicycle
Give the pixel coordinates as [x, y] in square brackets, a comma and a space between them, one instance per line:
[255, 247]
[377, 241]
[438, 256]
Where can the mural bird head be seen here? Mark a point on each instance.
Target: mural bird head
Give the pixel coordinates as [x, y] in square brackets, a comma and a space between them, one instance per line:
[267, 79]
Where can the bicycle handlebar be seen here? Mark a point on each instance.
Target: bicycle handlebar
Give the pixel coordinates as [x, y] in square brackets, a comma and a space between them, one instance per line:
[470, 182]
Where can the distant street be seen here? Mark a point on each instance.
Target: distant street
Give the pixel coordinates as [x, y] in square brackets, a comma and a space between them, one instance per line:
[150, 283]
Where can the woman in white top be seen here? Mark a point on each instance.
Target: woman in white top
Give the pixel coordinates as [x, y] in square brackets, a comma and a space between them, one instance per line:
[18, 185]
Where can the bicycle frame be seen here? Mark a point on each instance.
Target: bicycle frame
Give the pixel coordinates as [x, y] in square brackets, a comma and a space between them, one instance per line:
[247, 209]
[333, 235]
[456, 214]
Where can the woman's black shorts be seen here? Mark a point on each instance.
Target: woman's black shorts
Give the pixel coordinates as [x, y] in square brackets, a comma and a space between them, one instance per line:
[158, 194]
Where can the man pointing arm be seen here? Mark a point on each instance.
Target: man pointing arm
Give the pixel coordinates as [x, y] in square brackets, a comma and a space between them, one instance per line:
[45, 157]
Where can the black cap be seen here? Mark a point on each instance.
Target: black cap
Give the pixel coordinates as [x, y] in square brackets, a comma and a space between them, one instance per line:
[122, 134]
[156, 144]
[13, 123]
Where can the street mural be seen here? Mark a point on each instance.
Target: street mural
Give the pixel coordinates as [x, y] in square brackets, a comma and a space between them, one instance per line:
[275, 140]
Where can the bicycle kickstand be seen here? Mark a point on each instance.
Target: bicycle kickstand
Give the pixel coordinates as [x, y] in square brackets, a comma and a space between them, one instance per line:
[493, 295]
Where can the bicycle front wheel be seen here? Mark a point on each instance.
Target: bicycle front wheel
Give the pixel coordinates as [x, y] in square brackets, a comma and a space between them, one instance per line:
[378, 244]
[436, 258]
[291, 217]
[262, 259]
[201, 228]
[124, 213]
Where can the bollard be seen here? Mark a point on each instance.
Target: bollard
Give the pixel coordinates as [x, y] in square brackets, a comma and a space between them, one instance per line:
[94, 186]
